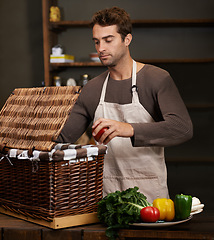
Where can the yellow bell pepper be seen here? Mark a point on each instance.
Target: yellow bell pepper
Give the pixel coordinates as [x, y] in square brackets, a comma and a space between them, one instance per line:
[166, 208]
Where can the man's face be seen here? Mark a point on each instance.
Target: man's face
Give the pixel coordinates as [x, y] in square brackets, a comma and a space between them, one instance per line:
[109, 45]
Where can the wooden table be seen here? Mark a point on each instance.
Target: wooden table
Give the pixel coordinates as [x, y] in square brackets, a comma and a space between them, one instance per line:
[201, 226]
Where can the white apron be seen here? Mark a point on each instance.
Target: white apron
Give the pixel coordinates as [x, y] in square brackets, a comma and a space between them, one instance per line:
[126, 166]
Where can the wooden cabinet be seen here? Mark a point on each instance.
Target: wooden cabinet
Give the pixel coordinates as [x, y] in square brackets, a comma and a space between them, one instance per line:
[51, 30]
[193, 74]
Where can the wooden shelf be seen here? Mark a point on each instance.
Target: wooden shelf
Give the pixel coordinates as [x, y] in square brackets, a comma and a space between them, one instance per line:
[173, 23]
[200, 106]
[143, 23]
[190, 160]
[177, 60]
[77, 64]
[69, 24]
[98, 64]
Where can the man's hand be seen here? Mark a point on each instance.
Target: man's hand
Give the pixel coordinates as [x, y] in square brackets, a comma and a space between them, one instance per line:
[115, 129]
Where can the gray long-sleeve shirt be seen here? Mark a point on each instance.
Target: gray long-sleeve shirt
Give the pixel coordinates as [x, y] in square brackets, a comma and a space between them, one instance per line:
[157, 93]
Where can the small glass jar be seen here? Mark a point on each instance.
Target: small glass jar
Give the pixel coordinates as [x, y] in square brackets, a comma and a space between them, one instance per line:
[85, 79]
[57, 81]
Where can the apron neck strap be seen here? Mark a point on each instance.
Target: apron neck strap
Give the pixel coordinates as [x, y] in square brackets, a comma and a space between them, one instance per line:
[134, 72]
[104, 88]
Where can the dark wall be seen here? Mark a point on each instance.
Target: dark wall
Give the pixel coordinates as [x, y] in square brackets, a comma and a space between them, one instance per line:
[21, 65]
[21, 46]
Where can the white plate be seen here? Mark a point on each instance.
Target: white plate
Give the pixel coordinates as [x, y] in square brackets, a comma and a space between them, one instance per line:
[160, 224]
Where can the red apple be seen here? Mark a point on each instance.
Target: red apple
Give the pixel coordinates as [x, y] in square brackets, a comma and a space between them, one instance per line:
[100, 133]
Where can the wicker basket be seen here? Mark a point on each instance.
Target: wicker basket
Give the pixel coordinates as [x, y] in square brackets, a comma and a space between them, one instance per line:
[40, 179]
[46, 185]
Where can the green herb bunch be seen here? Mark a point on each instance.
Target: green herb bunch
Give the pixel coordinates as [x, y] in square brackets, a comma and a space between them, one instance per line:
[118, 209]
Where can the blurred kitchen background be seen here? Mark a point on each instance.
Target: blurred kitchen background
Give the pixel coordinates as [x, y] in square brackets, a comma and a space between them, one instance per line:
[185, 49]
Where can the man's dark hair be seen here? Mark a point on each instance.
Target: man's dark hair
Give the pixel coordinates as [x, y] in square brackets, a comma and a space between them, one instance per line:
[113, 16]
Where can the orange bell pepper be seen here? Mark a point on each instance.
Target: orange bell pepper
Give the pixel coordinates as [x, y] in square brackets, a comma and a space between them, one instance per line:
[166, 208]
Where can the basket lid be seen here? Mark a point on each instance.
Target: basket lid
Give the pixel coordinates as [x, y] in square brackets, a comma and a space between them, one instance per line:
[32, 118]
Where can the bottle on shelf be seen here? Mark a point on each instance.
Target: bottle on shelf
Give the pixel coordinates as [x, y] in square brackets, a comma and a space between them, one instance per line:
[85, 79]
[57, 81]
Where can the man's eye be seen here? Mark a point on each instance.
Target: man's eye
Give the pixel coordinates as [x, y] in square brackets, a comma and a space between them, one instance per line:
[108, 40]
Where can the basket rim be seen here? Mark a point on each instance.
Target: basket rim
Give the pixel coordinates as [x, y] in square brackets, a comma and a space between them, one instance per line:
[61, 151]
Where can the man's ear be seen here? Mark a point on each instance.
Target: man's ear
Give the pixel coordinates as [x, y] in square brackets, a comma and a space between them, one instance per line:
[128, 39]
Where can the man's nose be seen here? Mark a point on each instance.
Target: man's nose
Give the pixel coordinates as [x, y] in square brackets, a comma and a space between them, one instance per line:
[101, 47]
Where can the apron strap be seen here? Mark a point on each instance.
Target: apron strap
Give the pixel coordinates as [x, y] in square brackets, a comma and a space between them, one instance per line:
[134, 71]
[104, 89]
[134, 89]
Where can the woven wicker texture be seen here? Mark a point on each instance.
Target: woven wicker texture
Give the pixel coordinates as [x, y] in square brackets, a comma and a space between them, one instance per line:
[32, 118]
[49, 189]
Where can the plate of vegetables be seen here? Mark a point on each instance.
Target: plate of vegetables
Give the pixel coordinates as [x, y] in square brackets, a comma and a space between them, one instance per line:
[131, 208]
[165, 212]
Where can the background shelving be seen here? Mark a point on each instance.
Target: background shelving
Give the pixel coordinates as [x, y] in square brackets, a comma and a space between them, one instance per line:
[181, 46]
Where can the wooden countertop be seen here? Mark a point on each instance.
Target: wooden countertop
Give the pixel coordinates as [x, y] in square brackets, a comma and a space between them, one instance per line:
[201, 226]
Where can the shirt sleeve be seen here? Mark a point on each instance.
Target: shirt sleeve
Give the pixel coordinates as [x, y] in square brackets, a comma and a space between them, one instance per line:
[71, 130]
[174, 126]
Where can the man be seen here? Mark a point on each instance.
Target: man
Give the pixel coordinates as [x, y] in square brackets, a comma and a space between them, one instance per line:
[138, 104]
